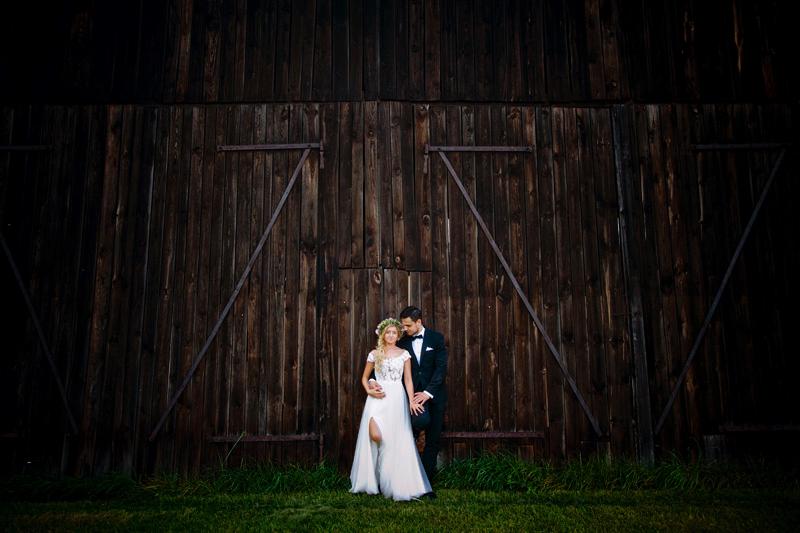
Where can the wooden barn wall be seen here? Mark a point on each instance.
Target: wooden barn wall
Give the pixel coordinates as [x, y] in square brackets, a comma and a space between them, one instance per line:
[132, 230]
[209, 51]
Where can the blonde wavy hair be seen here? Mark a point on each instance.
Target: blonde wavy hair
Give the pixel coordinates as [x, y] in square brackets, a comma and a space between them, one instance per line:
[380, 354]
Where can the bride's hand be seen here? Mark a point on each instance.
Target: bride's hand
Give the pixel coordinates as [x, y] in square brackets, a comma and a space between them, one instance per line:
[416, 408]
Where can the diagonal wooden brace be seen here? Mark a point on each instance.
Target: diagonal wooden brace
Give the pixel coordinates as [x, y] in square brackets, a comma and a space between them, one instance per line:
[725, 279]
[553, 350]
[38, 326]
[188, 377]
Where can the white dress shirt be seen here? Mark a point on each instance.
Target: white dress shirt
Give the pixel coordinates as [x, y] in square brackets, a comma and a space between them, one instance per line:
[416, 345]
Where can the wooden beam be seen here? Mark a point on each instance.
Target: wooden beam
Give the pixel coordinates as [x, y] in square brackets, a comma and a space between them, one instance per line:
[265, 147]
[265, 438]
[485, 435]
[430, 148]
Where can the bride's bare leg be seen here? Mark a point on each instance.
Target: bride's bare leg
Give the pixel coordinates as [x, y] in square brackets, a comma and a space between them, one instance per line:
[374, 431]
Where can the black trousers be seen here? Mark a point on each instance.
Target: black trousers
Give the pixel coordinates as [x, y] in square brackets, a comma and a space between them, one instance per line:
[431, 422]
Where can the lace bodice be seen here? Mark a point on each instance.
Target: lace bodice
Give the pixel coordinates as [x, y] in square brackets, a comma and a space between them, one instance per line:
[392, 367]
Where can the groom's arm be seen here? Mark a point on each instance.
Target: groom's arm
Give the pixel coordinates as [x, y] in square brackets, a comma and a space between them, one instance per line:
[434, 386]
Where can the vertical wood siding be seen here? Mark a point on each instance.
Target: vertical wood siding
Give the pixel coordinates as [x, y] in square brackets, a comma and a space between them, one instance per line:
[210, 51]
[132, 231]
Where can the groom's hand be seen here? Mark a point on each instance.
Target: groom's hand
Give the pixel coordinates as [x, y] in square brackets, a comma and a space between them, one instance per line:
[421, 398]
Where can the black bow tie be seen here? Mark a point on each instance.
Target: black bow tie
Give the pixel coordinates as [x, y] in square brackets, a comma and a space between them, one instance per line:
[417, 337]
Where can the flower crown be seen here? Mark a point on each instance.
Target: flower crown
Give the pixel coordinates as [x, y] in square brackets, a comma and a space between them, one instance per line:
[385, 323]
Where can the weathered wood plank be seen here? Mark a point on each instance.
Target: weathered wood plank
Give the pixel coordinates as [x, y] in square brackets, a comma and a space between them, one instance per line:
[168, 335]
[357, 49]
[416, 50]
[456, 220]
[254, 354]
[484, 57]
[386, 252]
[537, 350]
[283, 50]
[240, 175]
[97, 396]
[438, 316]
[358, 200]
[616, 80]
[517, 252]
[500, 55]
[473, 382]
[302, 49]
[283, 165]
[594, 49]
[566, 301]
[411, 219]
[631, 249]
[344, 193]
[678, 192]
[422, 186]
[401, 53]
[387, 47]
[394, 186]
[552, 379]
[319, 123]
[186, 345]
[322, 75]
[516, 65]
[372, 235]
[581, 431]
[613, 306]
[504, 293]
[290, 339]
[596, 356]
[465, 56]
[329, 357]
[341, 49]
[533, 53]
[372, 53]
[348, 363]
[433, 65]
[487, 269]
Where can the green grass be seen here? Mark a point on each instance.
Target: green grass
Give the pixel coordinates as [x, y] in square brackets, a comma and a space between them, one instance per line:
[506, 472]
[453, 510]
[485, 493]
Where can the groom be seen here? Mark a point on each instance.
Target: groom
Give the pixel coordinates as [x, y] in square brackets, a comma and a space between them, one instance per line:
[429, 370]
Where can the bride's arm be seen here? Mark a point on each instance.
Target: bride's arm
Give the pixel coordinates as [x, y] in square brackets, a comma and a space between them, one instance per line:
[365, 380]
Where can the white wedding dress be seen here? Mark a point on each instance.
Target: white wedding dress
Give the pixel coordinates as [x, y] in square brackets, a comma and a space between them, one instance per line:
[392, 467]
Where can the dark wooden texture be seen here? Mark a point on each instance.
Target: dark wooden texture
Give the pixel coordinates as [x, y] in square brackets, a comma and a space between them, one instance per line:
[210, 51]
[131, 232]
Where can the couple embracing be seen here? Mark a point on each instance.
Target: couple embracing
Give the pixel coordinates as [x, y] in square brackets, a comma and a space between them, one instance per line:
[404, 378]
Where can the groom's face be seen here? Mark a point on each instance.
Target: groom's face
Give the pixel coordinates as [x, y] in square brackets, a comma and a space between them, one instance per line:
[411, 327]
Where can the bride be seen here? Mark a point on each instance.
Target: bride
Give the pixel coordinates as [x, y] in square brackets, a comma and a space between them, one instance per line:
[386, 458]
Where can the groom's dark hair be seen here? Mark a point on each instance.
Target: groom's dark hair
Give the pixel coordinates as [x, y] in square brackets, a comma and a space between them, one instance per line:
[414, 313]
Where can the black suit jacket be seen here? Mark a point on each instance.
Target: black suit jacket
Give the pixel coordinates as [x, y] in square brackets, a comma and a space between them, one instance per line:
[430, 374]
